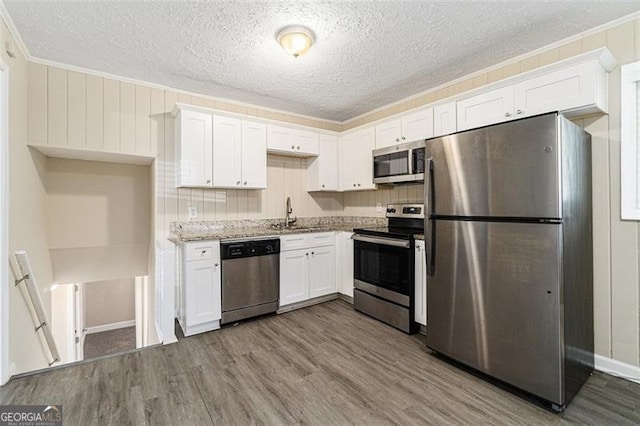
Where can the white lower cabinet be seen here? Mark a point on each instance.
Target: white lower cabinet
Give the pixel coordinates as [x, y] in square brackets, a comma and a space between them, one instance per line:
[344, 267]
[294, 276]
[420, 314]
[200, 287]
[307, 267]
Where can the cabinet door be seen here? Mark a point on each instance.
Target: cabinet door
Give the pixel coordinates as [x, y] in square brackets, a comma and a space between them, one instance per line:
[227, 160]
[363, 159]
[279, 139]
[202, 290]
[388, 133]
[322, 171]
[571, 88]
[306, 143]
[492, 107]
[322, 271]
[420, 314]
[294, 276]
[254, 155]
[194, 149]
[418, 125]
[444, 119]
[347, 155]
[346, 263]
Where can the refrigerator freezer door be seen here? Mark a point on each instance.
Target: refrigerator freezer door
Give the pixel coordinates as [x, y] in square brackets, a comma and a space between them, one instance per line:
[506, 170]
[493, 301]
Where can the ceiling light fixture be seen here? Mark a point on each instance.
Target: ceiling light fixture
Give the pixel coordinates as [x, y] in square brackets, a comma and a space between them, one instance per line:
[295, 40]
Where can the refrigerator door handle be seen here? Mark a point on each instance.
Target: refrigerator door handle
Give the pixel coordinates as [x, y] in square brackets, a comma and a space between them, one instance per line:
[430, 198]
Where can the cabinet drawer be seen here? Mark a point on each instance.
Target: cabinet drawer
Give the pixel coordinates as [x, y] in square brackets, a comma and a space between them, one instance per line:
[293, 242]
[199, 251]
[321, 239]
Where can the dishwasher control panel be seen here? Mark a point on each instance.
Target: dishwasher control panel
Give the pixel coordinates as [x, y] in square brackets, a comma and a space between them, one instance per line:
[250, 248]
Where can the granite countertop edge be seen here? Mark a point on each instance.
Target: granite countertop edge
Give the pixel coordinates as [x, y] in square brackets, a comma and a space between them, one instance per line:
[238, 229]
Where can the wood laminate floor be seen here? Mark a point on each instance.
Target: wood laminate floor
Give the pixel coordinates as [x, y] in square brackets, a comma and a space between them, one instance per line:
[325, 364]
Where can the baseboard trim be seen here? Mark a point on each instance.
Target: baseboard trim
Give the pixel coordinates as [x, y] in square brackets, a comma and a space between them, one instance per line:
[112, 326]
[348, 299]
[617, 368]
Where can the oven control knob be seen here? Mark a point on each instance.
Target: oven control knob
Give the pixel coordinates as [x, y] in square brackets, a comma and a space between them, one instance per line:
[391, 210]
[269, 248]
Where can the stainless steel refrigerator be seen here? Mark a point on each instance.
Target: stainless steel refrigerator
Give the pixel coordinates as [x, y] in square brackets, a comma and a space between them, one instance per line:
[509, 253]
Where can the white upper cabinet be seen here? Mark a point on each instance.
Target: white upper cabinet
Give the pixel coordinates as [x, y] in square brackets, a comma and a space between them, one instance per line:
[580, 86]
[254, 155]
[218, 151]
[227, 151]
[287, 141]
[322, 171]
[388, 133]
[239, 153]
[417, 125]
[194, 144]
[444, 119]
[356, 160]
[577, 89]
[490, 107]
[409, 127]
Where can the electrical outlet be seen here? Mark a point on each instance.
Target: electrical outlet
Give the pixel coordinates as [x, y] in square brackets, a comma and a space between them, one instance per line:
[378, 207]
[193, 212]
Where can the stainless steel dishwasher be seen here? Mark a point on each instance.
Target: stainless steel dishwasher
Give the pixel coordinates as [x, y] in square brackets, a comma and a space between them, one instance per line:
[250, 278]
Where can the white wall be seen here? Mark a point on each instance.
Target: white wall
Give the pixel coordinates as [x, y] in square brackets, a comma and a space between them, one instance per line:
[27, 218]
[108, 302]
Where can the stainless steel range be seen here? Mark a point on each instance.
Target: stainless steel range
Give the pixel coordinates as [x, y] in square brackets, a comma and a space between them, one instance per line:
[383, 273]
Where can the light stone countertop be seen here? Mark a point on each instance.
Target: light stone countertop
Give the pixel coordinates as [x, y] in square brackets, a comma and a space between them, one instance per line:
[250, 228]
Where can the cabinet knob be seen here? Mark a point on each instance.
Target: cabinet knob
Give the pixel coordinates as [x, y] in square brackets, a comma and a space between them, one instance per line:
[245, 182]
[204, 252]
[507, 114]
[216, 265]
[313, 252]
[208, 180]
[418, 248]
[323, 185]
[238, 183]
[298, 147]
[306, 254]
[397, 139]
[293, 147]
[403, 138]
[519, 111]
[358, 184]
[354, 184]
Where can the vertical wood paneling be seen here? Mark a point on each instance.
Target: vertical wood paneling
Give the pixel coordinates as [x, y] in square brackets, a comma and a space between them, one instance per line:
[111, 120]
[197, 201]
[127, 118]
[243, 204]
[232, 204]
[170, 191]
[157, 147]
[221, 204]
[625, 337]
[599, 130]
[209, 205]
[143, 120]
[184, 196]
[37, 104]
[57, 106]
[95, 112]
[77, 109]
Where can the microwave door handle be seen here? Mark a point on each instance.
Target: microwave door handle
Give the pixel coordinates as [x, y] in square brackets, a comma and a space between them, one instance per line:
[430, 200]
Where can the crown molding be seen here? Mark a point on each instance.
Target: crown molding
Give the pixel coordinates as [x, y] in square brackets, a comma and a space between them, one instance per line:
[17, 38]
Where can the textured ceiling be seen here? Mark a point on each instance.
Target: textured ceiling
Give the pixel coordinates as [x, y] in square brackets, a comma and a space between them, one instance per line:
[367, 54]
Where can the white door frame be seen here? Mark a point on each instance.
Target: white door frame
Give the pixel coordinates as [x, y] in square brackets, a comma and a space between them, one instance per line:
[4, 222]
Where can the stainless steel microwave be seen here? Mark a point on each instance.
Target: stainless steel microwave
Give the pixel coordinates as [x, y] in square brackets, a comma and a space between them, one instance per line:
[399, 163]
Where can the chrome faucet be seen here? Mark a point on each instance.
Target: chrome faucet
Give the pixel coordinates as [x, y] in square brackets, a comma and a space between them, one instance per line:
[287, 219]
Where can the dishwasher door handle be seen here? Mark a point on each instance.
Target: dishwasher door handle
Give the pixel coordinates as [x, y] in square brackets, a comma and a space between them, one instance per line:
[382, 240]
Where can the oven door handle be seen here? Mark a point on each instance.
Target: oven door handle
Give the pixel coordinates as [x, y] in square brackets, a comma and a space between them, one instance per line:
[382, 240]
